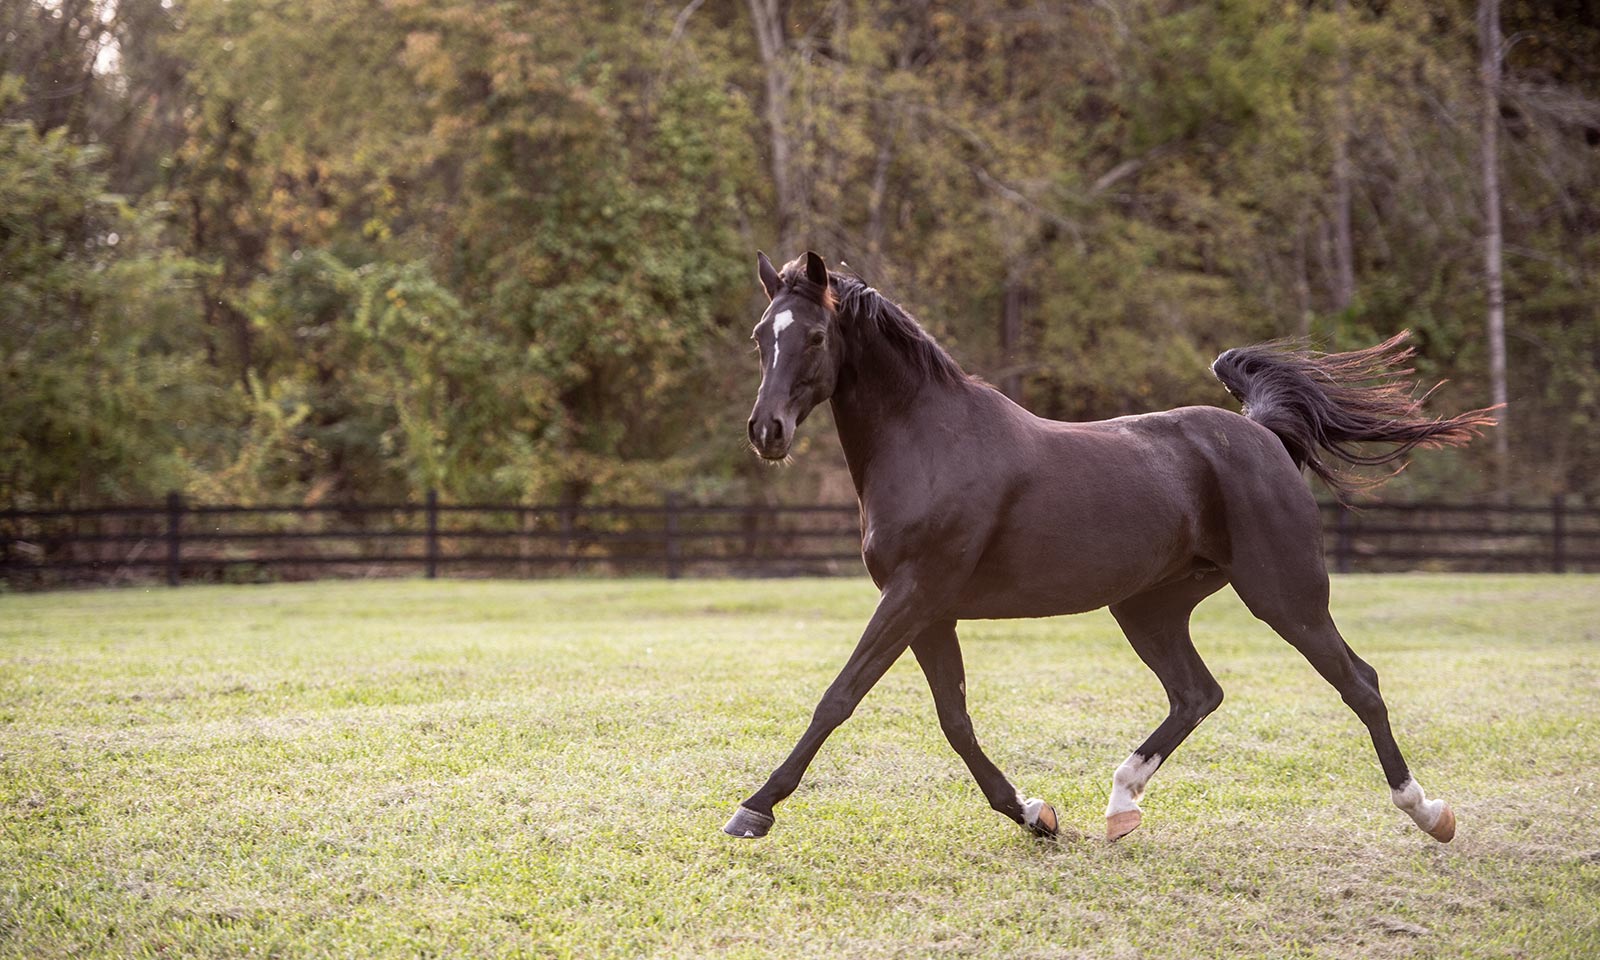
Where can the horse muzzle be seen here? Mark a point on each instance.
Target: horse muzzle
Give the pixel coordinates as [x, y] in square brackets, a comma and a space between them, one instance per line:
[771, 436]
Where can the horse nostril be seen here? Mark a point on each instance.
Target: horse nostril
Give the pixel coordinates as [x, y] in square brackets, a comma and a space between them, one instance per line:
[765, 431]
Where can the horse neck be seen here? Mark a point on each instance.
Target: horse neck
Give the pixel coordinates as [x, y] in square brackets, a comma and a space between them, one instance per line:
[880, 393]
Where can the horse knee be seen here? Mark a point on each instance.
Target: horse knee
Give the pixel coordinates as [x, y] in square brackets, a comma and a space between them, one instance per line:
[831, 712]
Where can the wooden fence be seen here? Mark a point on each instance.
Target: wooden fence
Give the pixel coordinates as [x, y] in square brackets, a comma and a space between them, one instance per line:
[182, 542]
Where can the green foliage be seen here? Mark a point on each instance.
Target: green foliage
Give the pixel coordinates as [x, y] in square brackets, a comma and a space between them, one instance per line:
[101, 386]
[503, 249]
[384, 379]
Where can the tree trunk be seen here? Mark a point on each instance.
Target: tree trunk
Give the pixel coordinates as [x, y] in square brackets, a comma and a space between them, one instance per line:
[1489, 60]
[766, 16]
[1302, 285]
[1344, 281]
[875, 203]
[1011, 334]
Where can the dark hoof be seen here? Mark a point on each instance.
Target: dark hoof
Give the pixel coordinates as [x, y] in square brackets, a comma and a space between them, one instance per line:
[1039, 817]
[748, 824]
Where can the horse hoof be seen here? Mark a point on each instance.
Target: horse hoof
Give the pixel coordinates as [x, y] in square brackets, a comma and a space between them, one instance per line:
[1040, 817]
[1119, 825]
[1445, 828]
[748, 824]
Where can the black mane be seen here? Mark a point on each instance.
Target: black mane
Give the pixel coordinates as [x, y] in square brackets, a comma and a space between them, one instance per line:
[857, 302]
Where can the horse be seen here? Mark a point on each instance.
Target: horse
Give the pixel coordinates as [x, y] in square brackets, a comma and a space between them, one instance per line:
[974, 508]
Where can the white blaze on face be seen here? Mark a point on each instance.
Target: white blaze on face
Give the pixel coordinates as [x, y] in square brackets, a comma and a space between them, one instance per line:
[1410, 798]
[1128, 783]
[779, 324]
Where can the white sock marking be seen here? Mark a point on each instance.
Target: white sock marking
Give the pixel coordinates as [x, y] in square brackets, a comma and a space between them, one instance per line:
[779, 324]
[1128, 783]
[1030, 809]
[1410, 798]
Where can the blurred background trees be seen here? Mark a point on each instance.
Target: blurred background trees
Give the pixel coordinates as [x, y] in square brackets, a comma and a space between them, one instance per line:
[339, 249]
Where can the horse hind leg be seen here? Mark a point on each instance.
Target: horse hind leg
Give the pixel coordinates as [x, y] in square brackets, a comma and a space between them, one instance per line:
[1297, 608]
[1157, 625]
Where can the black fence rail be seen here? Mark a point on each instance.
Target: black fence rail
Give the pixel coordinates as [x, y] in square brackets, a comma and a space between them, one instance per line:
[1504, 538]
[182, 542]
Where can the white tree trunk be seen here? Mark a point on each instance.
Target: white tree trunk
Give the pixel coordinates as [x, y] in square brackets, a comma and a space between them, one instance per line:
[1489, 60]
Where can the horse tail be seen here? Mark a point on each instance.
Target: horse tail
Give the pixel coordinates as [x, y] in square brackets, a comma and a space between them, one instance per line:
[1332, 405]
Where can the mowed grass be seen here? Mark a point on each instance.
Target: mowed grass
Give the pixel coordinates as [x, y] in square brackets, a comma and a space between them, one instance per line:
[540, 769]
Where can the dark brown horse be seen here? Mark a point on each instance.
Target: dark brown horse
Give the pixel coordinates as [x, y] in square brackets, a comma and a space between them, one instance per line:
[974, 508]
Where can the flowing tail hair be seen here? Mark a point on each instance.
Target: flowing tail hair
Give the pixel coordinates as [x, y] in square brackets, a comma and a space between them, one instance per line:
[1331, 405]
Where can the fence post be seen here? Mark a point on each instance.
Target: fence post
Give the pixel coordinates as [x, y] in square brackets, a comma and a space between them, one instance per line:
[752, 522]
[568, 524]
[672, 536]
[1341, 543]
[174, 538]
[524, 548]
[433, 534]
[1558, 533]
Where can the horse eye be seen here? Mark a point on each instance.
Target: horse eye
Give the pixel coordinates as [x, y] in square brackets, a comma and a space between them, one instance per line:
[816, 338]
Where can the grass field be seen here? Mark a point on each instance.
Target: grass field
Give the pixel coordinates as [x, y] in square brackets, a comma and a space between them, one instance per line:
[482, 769]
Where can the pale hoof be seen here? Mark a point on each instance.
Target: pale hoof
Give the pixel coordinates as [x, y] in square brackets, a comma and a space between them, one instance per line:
[1119, 825]
[1040, 817]
[1445, 828]
[748, 824]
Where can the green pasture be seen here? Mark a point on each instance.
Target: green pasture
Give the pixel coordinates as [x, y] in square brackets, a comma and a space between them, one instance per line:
[482, 769]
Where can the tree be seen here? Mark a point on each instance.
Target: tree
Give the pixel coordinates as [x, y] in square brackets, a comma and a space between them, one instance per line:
[1489, 43]
[101, 390]
[504, 249]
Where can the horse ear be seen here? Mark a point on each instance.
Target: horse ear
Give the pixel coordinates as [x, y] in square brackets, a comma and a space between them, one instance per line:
[768, 275]
[816, 270]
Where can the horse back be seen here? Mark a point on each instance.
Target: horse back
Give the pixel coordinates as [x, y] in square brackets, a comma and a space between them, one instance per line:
[1224, 473]
[1096, 512]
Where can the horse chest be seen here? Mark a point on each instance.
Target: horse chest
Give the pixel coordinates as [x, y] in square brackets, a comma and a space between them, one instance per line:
[929, 543]
[872, 554]
[884, 548]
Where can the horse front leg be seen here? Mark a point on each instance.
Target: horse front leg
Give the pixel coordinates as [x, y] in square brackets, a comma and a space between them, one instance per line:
[939, 652]
[901, 614]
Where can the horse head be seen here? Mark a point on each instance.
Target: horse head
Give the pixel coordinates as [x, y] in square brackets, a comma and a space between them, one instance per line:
[801, 351]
